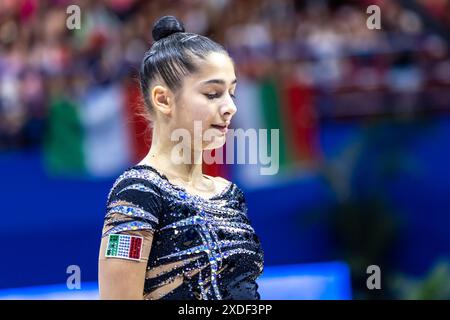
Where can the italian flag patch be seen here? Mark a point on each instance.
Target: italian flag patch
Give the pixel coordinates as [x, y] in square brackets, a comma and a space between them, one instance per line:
[124, 246]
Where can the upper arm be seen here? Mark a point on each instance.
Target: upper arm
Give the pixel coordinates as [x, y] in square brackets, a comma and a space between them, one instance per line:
[120, 278]
[131, 218]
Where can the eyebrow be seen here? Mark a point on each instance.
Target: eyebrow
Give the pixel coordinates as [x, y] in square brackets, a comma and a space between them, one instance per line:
[218, 81]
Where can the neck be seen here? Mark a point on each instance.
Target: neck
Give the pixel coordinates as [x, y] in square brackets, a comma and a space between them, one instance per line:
[160, 156]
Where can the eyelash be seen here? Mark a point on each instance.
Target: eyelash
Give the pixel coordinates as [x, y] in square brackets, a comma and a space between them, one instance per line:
[217, 95]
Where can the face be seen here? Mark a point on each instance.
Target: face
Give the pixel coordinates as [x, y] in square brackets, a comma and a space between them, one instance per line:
[206, 99]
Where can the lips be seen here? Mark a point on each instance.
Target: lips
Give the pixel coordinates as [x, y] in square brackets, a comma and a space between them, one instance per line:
[222, 128]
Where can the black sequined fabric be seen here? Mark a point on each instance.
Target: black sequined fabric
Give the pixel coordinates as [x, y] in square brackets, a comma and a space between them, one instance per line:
[212, 236]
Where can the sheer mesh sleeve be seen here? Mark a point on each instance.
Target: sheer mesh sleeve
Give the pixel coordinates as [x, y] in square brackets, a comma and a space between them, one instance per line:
[132, 215]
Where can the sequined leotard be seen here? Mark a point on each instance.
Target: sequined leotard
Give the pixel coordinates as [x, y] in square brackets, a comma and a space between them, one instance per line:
[211, 239]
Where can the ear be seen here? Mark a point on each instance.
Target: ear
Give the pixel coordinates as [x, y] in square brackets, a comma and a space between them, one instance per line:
[161, 98]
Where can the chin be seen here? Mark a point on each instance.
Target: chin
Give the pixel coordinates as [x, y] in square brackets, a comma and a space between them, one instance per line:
[217, 142]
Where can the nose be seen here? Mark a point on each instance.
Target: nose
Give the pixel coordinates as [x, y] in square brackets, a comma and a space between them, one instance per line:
[228, 109]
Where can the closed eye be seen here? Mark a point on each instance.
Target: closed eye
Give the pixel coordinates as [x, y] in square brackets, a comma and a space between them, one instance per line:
[212, 96]
[217, 95]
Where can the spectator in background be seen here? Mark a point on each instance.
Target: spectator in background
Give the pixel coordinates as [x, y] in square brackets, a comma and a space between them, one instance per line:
[35, 45]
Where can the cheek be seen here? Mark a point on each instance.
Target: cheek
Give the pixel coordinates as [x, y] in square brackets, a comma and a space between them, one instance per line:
[201, 110]
[197, 111]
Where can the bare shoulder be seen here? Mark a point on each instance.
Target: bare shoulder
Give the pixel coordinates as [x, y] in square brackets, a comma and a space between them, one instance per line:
[223, 180]
[220, 181]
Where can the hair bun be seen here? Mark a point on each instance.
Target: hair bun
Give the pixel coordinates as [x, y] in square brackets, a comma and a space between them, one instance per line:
[165, 26]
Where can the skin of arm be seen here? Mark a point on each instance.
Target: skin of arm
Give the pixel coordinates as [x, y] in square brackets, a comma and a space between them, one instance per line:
[121, 279]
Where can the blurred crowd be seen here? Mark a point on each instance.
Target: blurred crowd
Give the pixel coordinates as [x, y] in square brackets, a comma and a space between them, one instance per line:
[325, 45]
